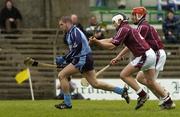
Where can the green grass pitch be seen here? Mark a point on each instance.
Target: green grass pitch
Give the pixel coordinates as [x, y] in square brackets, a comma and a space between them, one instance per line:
[84, 108]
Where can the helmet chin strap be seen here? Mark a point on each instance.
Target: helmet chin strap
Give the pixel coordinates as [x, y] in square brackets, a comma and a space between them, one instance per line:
[118, 24]
[135, 23]
[138, 17]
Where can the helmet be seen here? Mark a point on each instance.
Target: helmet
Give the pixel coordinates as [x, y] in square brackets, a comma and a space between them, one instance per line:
[139, 10]
[119, 16]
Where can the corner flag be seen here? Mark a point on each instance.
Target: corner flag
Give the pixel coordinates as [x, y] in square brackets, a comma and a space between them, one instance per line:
[22, 76]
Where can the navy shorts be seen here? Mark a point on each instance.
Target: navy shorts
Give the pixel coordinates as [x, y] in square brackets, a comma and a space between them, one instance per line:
[89, 64]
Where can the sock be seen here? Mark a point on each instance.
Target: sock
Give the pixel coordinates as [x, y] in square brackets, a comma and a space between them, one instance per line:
[118, 90]
[67, 99]
[141, 92]
[167, 100]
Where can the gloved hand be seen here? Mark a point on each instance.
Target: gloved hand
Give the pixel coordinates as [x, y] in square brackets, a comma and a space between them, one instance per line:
[60, 60]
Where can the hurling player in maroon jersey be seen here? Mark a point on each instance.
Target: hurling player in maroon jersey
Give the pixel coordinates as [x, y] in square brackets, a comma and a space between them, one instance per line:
[144, 56]
[153, 39]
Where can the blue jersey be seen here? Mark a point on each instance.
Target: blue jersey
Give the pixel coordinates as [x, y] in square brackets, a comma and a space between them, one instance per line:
[78, 45]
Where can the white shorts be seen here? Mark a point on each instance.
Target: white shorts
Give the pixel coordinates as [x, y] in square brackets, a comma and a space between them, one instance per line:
[146, 61]
[161, 59]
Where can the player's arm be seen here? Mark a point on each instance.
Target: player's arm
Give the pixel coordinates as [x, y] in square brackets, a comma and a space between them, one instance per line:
[123, 53]
[104, 43]
[118, 40]
[120, 56]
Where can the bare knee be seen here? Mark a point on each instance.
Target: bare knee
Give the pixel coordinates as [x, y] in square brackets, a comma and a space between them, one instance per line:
[141, 78]
[150, 83]
[123, 75]
[138, 79]
[61, 76]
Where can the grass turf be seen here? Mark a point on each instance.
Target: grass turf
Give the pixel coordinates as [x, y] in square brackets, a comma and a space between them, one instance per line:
[84, 108]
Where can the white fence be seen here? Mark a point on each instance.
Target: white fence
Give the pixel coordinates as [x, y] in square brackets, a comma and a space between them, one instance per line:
[172, 86]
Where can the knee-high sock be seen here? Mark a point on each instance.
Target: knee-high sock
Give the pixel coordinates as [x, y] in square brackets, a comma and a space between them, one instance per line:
[118, 90]
[67, 99]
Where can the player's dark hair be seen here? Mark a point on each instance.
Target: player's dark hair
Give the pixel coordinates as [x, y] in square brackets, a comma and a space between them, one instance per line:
[170, 11]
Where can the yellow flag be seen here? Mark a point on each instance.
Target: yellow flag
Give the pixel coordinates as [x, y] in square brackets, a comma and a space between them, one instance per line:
[22, 76]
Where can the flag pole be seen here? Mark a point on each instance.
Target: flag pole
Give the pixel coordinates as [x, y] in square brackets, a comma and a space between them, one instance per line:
[30, 84]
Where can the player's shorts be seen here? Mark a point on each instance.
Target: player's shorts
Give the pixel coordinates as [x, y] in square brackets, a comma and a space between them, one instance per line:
[89, 63]
[160, 59]
[146, 61]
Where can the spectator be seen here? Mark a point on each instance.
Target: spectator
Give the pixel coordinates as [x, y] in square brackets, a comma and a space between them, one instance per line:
[159, 9]
[121, 4]
[10, 17]
[100, 3]
[166, 5]
[95, 29]
[75, 21]
[171, 27]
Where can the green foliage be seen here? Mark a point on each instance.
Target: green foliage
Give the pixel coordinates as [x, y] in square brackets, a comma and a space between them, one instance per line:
[84, 108]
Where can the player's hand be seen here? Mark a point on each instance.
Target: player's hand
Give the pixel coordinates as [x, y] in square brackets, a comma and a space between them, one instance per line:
[92, 40]
[114, 61]
[60, 60]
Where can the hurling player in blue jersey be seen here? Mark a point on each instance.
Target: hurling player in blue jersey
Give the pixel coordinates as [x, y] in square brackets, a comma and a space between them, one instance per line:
[80, 59]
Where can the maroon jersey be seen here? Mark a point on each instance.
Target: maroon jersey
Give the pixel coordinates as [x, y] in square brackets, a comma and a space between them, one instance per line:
[150, 34]
[131, 38]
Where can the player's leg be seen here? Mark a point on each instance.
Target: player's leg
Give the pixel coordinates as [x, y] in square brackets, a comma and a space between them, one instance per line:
[63, 77]
[145, 62]
[161, 101]
[141, 79]
[91, 78]
[89, 72]
[161, 59]
[126, 76]
[149, 74]
[152, 84]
